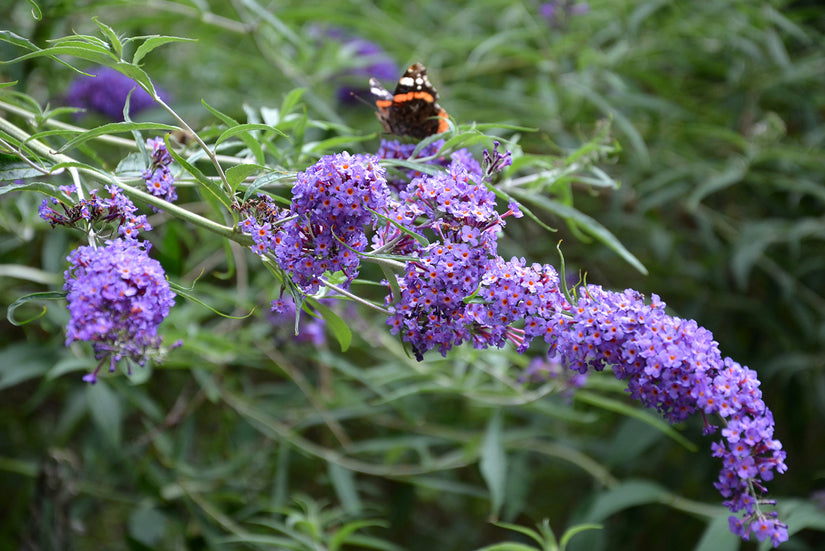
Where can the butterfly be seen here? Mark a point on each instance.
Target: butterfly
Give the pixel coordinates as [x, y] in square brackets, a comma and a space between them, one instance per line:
[412, 110]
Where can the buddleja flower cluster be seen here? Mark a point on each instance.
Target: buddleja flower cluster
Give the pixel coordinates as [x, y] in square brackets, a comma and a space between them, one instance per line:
[455, 288]
[674, 366]
[117, 295]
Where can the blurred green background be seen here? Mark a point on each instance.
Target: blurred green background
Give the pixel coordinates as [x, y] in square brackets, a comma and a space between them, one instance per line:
[718, 108]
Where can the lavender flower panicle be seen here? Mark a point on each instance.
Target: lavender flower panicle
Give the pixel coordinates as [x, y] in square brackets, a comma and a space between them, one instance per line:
[674, 366]
[436, 308]
[106, 93]
[117, 297]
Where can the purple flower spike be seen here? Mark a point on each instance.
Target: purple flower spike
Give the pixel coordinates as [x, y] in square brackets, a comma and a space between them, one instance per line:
[674, 366]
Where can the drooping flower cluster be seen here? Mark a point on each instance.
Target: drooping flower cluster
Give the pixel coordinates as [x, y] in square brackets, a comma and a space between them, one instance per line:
[95, 210]
[674, 366]
[106, 93]
[158, 177]
[117, 296]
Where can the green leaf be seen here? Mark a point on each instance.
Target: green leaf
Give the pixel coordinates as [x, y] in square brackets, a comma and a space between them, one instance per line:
[507, 547]
[418, 166]
[21, 362]
[237, 174]
[801, 514]
[208, 384]
[578, 529]
[148, 526]
[132, 165]
[333, 144]
[82, 47]
[226, 119]
[464, 140]
[493, 463]
[345, 489]
[248, 140]
[733, 173]
[628, 494]
[345, 535]
[12, 168]
[37, 14]
[111, 36]
[27, 273]
[138, 75]
[529, 532]
[758, 236]
[153, 41]
[111, 128]
[17, 40]
[717, 536]
[266, 179]
[185, 293]
[245, 129]
[67, 365]
[291, 100]
[334, 322]
[586, 223]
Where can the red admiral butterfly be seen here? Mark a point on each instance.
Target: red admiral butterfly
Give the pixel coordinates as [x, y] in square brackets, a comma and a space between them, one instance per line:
[412, 110]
